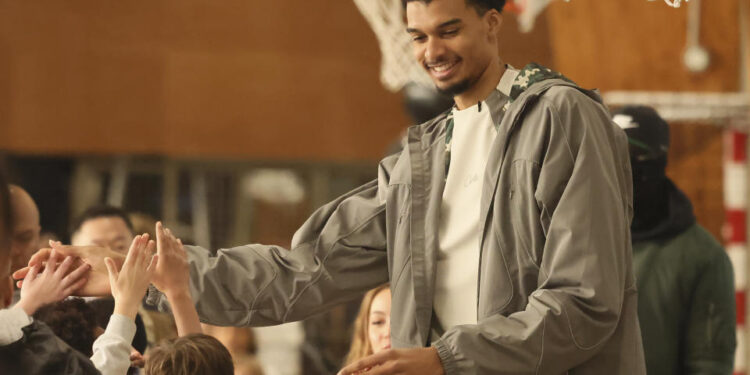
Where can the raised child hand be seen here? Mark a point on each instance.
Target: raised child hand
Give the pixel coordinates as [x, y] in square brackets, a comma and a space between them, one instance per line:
[51, 285]
[172, 275]
[130, 283]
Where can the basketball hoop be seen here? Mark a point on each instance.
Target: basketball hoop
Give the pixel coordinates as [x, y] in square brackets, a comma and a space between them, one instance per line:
[398, 66]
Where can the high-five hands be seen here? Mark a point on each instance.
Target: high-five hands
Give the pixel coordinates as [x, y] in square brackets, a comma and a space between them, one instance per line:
[172, 274]
[52, 284]
[168, 275]
[398, 361]
[97, 281]
[172, 277]
[129, 284]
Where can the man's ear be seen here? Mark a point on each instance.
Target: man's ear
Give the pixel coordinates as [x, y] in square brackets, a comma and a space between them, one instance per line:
[494, 20]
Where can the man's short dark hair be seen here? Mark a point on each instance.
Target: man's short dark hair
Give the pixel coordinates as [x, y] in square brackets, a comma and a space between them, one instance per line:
[481, 6]
[97, 212]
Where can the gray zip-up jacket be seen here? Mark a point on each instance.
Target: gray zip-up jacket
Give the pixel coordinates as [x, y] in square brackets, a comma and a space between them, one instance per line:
[556, 289]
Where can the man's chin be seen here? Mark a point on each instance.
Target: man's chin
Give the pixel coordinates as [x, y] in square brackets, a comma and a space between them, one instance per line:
[455, 88]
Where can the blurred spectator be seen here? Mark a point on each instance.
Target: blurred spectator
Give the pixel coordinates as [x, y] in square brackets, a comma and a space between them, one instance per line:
[143, 223]
[372, 328]
[6, 228]
[686, 303]
[28, 346]
[104, 226]
[110, 227]
[26, 228]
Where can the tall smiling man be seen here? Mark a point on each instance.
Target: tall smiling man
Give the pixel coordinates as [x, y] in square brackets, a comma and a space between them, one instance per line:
[503, 227]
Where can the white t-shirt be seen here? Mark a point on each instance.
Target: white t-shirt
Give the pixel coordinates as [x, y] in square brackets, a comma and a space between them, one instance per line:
[457, 278]
[459, 236]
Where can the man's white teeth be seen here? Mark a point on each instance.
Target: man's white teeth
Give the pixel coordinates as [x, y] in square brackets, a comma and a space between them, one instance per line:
[442, 68]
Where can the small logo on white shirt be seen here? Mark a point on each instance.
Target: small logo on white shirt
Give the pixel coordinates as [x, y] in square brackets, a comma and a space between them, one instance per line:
[471, 179]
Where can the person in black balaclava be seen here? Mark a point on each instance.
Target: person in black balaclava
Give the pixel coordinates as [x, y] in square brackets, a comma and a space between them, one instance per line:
[686, 303]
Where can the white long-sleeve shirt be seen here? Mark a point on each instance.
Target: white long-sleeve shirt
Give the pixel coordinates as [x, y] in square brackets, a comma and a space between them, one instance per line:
[111, 349]
[12, 321]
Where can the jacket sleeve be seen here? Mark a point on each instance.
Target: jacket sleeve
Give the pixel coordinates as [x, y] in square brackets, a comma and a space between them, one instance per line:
[337, 254]
[39, 351]
[711, 326]
[584, 200]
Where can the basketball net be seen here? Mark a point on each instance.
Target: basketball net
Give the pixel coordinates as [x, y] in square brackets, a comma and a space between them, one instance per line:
[398, 66]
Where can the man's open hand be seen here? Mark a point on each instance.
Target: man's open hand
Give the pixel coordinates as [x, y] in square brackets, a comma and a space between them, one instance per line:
[97, 283]
[416, 361]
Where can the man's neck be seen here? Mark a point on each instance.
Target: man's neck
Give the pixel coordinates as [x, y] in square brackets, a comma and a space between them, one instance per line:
[487, 82]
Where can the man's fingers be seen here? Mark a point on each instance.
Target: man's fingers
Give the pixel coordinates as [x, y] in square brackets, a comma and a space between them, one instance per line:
[366, 363]
[51, 264]
[21, 273]
[39, 257]
[75, 251]
[77, 274]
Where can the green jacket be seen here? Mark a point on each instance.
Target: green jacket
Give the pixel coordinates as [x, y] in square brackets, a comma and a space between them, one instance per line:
[686, 303]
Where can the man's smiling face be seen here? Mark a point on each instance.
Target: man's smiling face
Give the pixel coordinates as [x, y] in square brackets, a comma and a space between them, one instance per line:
[451, 41]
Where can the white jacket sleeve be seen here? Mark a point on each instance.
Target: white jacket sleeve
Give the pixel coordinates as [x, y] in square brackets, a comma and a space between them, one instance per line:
[112, 348]
[12, 320]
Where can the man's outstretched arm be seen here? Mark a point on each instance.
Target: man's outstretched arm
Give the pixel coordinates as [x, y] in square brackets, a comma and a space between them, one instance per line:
[338, 253]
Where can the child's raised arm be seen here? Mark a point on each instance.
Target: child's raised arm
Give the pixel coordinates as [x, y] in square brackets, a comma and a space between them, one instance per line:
[128, 286]
[172, 277]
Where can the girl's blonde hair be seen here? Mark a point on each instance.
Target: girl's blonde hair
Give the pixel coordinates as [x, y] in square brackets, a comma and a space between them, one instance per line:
[361, 347]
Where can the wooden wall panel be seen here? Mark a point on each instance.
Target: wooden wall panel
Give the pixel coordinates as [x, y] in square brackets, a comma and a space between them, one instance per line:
[637, 44]
[241, 79]
[257, 79]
